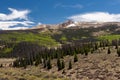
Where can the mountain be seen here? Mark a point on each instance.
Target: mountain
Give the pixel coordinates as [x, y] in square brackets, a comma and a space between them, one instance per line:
[55, 26]
[75, 24]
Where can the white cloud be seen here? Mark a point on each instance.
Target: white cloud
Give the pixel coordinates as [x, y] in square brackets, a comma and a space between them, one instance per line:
[14, 19]
[16, 28]
[14, 15]
[79, 6]
[96, 17]
[7, 24]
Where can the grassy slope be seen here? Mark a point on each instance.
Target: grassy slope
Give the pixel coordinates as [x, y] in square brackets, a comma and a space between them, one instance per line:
[44, 39]
[109, 37]
[41, 38]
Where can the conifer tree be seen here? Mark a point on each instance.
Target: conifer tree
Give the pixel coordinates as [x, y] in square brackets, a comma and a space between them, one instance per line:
[70, 65]
[59, 65]
[96, 46]
[116, 46]
[86, 51]
[82, 51]
[36, 63]
[109, 51]
[63, 64]
[16, 63]
[75, 57]
[1, 65]
[44, 63]
[31, 61]
[49, 66]
[24, 63]
[118, 52]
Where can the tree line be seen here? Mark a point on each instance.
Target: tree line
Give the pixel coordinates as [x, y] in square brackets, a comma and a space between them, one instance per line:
[28, 53]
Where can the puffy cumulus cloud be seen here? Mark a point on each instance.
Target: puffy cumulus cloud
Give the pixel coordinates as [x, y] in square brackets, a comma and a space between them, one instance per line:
[14, 19]
[96, 17]
[15, 14]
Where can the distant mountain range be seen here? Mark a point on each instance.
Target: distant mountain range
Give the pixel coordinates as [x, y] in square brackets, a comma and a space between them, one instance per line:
[75, 25]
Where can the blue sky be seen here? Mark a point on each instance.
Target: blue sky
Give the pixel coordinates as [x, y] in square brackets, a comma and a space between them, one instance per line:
[55, 11]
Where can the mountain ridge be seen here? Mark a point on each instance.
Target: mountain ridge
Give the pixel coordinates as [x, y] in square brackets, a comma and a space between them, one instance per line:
[75, 24]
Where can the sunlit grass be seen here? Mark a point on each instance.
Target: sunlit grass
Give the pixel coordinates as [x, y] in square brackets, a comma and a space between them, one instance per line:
[109, 37]
[40, 38]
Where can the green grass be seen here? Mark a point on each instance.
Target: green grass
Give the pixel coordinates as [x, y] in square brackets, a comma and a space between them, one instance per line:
[109, 37]
[40, 38]
[7, 50]
[43, 39]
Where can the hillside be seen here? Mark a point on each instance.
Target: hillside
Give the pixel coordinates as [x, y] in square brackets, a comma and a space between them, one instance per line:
[60, 54]
[56, 37]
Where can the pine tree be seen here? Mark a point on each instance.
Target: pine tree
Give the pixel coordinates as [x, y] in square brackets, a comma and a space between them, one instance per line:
[59, 65]
[49, 66]
[44, 63]
[100, 44]
[96, 46]
[75, 57]
[1, 65]
[118, 52]
[15, 63]
[70, 65]
[31, 62]
[116, 46]
[86, 51]
[24, 64]
[38, 60]
[63, 64]
[92, 50]
[109, 51]
[36, 63]
[82, 51]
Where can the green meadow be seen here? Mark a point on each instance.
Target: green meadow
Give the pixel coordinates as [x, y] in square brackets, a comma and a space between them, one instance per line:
[109, 37]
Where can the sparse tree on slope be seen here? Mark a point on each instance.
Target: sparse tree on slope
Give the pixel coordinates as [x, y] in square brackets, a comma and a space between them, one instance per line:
[109, 51]
[70, 65]
[49, 65]
[75, 57]
[118, 52]
[63, 64]
[59, 65]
